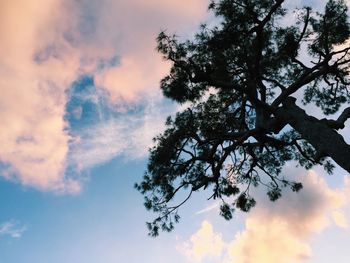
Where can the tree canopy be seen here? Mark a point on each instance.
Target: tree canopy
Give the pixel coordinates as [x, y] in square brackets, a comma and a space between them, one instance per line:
[245, 83]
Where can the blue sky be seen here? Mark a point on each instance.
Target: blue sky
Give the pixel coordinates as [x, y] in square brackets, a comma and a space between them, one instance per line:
[80, 105]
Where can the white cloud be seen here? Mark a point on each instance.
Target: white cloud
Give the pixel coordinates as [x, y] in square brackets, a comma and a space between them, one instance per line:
[203, 244]
[12, 228]
[340, 219]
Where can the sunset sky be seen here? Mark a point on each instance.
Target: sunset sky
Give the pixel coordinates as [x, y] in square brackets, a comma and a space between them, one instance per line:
[80, 103]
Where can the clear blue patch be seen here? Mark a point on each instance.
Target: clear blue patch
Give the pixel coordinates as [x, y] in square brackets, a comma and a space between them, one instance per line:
[87, 104]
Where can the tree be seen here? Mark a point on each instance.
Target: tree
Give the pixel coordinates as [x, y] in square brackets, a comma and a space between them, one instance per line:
[245, 86]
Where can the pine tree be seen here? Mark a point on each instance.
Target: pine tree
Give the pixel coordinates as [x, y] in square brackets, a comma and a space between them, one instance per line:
[245, 84]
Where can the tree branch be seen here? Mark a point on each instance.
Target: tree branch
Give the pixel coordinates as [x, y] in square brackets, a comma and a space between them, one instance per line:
[324, 139]
[306, 78]
[340, 122]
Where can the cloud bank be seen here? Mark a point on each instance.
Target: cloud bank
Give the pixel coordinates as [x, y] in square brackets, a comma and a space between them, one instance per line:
[46, 45]
[279, 232]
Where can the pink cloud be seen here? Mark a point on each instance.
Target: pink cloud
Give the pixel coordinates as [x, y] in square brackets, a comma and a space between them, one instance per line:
[32, 102]
[45, 45]
[141, 67]
[279, 232]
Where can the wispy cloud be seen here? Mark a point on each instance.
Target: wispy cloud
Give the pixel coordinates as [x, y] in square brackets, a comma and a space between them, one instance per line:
[105, 132]
[208, 209]
[12, 229]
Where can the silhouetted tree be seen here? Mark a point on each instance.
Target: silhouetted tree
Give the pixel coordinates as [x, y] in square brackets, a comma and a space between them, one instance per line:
[240, 81]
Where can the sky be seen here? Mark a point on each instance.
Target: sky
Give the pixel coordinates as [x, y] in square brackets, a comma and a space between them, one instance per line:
[80, 103]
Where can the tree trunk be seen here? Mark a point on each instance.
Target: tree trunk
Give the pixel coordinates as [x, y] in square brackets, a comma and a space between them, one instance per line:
[324, 139]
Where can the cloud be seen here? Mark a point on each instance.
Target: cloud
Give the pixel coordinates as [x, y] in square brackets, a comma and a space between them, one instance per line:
[209, 208]
[33, 140]
[280, 232]
[12, 228]
[268, 241]
[128, 133]
[340, 219]
[140, 66]
[203, 244]
[45, 46]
